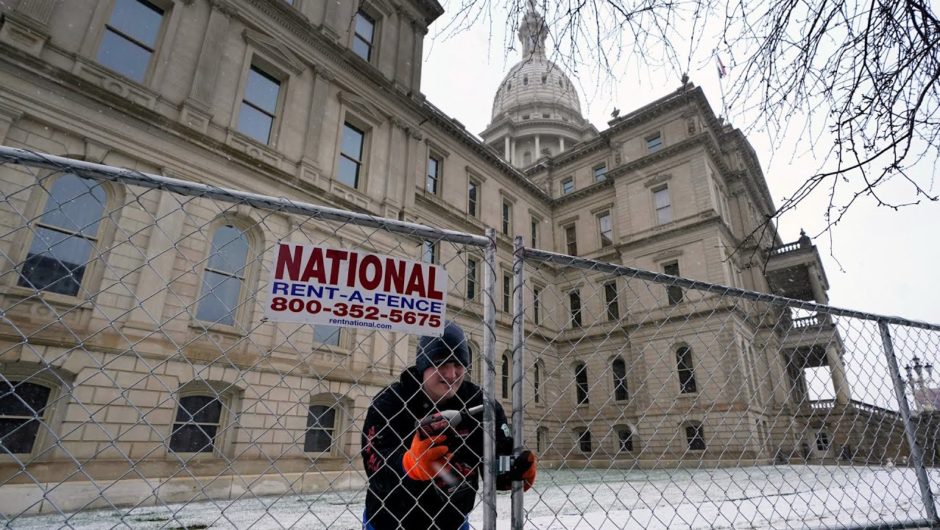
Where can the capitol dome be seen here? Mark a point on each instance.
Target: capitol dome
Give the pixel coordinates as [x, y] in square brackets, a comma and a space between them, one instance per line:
[535, 80]
[536, 110]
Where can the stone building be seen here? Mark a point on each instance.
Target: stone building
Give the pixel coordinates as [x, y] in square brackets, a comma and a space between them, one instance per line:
[131, 322]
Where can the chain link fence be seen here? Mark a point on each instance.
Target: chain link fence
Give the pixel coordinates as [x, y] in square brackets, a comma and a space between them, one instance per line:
[657, 401]
[142, 386]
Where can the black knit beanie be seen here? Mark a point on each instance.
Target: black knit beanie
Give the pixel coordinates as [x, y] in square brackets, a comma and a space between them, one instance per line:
[435, 351]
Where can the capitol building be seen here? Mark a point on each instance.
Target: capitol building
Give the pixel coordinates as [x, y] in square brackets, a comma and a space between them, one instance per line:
[137, 367]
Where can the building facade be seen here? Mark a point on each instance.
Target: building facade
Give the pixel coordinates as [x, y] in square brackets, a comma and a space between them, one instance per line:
[120, 322]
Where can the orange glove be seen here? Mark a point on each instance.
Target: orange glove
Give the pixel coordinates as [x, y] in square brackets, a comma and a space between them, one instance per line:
[527, 458]
[425, 459]
[522, 468]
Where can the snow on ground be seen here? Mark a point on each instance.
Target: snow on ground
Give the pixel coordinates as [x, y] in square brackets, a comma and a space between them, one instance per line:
[755, 497]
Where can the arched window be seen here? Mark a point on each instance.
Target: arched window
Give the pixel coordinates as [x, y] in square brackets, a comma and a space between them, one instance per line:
[23, 409]
[581, 383]
[686, 370]
[504, 376]
[202, 414]
[325, 416]
[224, 276]
[619, 370]
[65, 236]
[624, 438]
[541, 440]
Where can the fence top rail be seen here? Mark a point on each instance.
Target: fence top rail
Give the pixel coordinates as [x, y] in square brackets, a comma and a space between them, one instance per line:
[657, 277]
[264, 202]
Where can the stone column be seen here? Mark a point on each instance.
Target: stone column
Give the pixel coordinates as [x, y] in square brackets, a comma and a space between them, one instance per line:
[561, 143]
[507, 153]
[196, 108]
[816, 285]
[538, 149]
[837, 370]
[152, 285]
[318, 102]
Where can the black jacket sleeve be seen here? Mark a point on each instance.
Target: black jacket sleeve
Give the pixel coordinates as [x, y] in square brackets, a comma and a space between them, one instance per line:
[386, 435]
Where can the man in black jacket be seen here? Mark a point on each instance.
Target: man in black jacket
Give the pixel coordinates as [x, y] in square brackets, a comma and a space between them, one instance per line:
[421, 480]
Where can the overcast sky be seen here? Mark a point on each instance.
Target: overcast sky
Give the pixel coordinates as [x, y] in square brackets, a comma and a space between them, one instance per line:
[877, 260]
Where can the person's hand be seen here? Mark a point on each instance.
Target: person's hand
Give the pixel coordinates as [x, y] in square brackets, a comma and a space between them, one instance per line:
[523, 468]
[425, 459]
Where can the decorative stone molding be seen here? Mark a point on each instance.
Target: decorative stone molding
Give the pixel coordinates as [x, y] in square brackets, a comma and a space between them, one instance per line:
[95, 152]
[274, 50]
[657, 180]
[8, 116]
[254, 149]
[226, 7]
[195, 115]
[23, 33]
[115, 84]
[667, 254]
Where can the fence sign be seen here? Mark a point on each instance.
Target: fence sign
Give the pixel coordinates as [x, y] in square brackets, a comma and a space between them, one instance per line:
[320, 285]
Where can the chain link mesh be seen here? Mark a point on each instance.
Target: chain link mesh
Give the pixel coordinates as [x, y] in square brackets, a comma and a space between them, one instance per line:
[141, 385]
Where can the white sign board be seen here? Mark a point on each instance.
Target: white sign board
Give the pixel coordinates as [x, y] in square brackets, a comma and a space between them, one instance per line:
[351, 288]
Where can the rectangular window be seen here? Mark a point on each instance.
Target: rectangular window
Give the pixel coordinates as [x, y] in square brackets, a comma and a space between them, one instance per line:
[663, 205]
[673, 292]
[584, 441]
[259, 105]
[574, 303]
[363, 36]
[571, 240]
[130, 38]
[321, 421]
[433, 182]
[198, 419]
[567, 186]
[534, 242]
[654, 143]
[507, 217]
[606, 229]
[695, 435]
[537, 305]
[686, 371]
[507, 292]
[429, 252]
[610, 300]
[326, 335]
[471, 279]
[473, 196]
[600, 172]
[822, 441]
[350, 157]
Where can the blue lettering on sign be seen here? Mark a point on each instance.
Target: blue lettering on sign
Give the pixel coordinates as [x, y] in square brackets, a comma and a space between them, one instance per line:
[355, 296]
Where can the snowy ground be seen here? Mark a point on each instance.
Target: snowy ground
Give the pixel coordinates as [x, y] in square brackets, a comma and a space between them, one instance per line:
[756, 497]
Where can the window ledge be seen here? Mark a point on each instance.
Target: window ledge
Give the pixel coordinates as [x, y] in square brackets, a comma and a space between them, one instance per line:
[215, 327]
[253, 148]
[115, 83]
[58, 300]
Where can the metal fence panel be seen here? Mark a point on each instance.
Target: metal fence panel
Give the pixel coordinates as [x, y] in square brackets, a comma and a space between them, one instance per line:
[141, 384]
[655, 401]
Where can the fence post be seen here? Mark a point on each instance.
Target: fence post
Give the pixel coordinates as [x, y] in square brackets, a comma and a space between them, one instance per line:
[916, 455]
[518, 367]
[489, 373]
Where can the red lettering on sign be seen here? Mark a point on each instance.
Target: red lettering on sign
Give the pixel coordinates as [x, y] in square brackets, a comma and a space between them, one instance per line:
[351, 276]
[285, 260]
[336, 257]
[415, 282]
[315, 267]
[394, 275]
[370, 279]
[433, 293]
